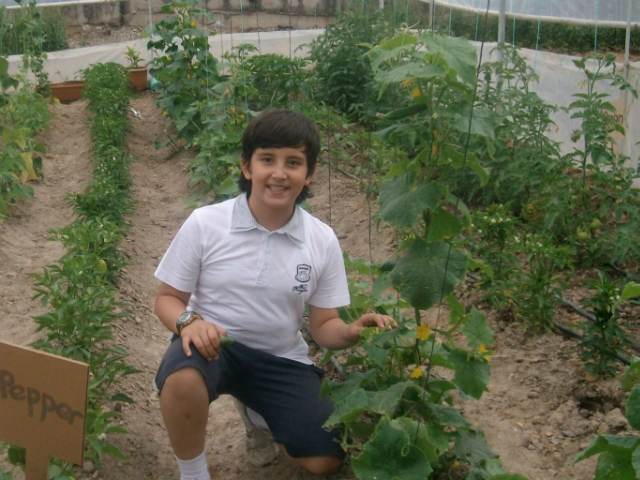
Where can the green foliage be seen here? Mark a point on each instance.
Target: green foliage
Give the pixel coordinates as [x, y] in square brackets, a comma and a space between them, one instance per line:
[23, 115]
[185, 67]
[606, 192]
[80, 288]
[29, 29]
[395, 406]
[604, 339]
[133, 57]
[495, 232]
[343, 76]
[266, 81]
[538, 283]
[555, 37]
[522, 160]
[618, 456]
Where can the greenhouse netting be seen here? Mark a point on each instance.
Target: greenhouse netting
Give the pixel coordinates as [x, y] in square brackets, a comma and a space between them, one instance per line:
[586, 12]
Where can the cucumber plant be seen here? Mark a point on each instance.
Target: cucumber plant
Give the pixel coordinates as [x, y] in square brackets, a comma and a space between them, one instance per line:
[397, 403]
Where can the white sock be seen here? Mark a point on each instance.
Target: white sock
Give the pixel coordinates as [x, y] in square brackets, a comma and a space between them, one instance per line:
[195, 469]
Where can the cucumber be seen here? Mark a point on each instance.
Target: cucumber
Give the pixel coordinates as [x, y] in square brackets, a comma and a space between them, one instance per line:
[227, 341]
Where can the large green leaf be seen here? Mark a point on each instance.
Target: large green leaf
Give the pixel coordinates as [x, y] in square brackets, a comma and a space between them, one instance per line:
[608, 443]
[635, 461]
[615, 465]
[383, 402]
[477, 331]
[444, 415]
[410, 70]
[401, 204]
[443, 225]
[472, 447]
[390, 49]
[458, 52]
[341, 390]
[630, 290]
[472, 374]
[420, 434]
[428, 272]
[483, 122]
[350, 408]
[631, 376]
[633, 408]
[15, 135]
[391, 456]
[508, 476]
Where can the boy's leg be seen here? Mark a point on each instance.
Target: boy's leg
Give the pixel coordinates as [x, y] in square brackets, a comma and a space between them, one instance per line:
[286, 393]
[259, 444]
[184, 403]
[187, 386]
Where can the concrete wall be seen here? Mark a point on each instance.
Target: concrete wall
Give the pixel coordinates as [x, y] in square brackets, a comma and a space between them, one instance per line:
[256, 14]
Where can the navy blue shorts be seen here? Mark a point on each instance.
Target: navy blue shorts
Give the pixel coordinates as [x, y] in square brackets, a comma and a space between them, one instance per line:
[285, 392]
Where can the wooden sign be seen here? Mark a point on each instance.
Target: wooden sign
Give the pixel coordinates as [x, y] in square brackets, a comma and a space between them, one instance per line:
[43, 406]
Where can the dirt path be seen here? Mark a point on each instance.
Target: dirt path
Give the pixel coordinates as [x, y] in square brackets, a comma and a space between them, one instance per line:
[538, 414]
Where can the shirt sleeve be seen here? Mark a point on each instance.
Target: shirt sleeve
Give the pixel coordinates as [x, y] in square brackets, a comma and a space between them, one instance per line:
[180, 266]
[332, 290]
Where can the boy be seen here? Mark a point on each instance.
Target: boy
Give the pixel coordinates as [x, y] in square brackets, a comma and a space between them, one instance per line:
[247, 266]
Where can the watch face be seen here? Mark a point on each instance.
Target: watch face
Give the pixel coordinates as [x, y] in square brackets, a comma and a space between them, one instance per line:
[184, 317]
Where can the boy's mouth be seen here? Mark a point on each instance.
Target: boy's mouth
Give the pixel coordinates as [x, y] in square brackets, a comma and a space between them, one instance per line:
[276, 188]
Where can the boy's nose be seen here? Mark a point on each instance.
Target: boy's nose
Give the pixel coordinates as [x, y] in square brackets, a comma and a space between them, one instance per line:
[279, 172]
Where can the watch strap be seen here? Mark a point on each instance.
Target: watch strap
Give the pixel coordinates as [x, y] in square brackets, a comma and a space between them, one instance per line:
[193, 318]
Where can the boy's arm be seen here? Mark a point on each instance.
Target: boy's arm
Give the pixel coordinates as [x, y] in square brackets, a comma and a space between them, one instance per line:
[205, 336]
[329, 331]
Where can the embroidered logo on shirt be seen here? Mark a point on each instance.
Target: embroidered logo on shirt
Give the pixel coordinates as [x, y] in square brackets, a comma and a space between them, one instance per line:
[302, 288]
[304, 273]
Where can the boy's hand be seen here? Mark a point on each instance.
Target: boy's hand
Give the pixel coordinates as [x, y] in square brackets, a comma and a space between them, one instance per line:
[205, 336]
[384, 322]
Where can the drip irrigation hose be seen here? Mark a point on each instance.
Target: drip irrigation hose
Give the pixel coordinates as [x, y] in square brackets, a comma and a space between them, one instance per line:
[344, 172]
[588, 315]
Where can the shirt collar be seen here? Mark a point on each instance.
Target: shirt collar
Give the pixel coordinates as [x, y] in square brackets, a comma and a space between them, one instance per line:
[243, 220]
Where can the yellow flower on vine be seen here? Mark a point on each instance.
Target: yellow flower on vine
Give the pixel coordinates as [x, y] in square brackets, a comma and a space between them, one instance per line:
[408, 81]
[417, 372]
[482, 349]
[415, 93]
[423, 332]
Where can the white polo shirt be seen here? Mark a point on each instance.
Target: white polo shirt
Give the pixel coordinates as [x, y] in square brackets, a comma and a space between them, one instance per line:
[253, 282]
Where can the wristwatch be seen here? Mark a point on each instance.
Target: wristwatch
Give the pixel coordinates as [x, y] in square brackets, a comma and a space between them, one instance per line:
[187, 318]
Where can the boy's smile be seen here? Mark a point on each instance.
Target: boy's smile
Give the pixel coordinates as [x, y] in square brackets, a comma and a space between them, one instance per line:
[277, 176]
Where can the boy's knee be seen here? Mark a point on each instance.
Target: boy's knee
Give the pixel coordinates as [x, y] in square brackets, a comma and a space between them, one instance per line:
[184, 383]
[320, 465]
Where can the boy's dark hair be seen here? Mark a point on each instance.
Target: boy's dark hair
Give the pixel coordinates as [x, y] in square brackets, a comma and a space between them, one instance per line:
[281, 129]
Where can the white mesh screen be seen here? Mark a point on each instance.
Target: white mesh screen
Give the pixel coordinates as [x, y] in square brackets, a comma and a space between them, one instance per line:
[10, 4]
[569, 11]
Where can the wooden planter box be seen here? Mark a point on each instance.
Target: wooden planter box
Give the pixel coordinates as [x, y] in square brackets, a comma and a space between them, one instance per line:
[67, 91]
[138, 78]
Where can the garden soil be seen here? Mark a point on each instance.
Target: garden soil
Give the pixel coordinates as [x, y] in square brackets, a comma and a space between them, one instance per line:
[540, 410]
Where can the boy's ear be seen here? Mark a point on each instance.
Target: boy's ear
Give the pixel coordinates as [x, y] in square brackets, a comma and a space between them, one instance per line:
[246, 168]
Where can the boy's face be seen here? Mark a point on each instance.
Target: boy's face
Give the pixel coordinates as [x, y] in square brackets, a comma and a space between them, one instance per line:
[277, 176]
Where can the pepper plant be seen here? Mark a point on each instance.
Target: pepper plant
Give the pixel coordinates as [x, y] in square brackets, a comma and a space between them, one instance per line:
[23, 115]
[605, 339]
